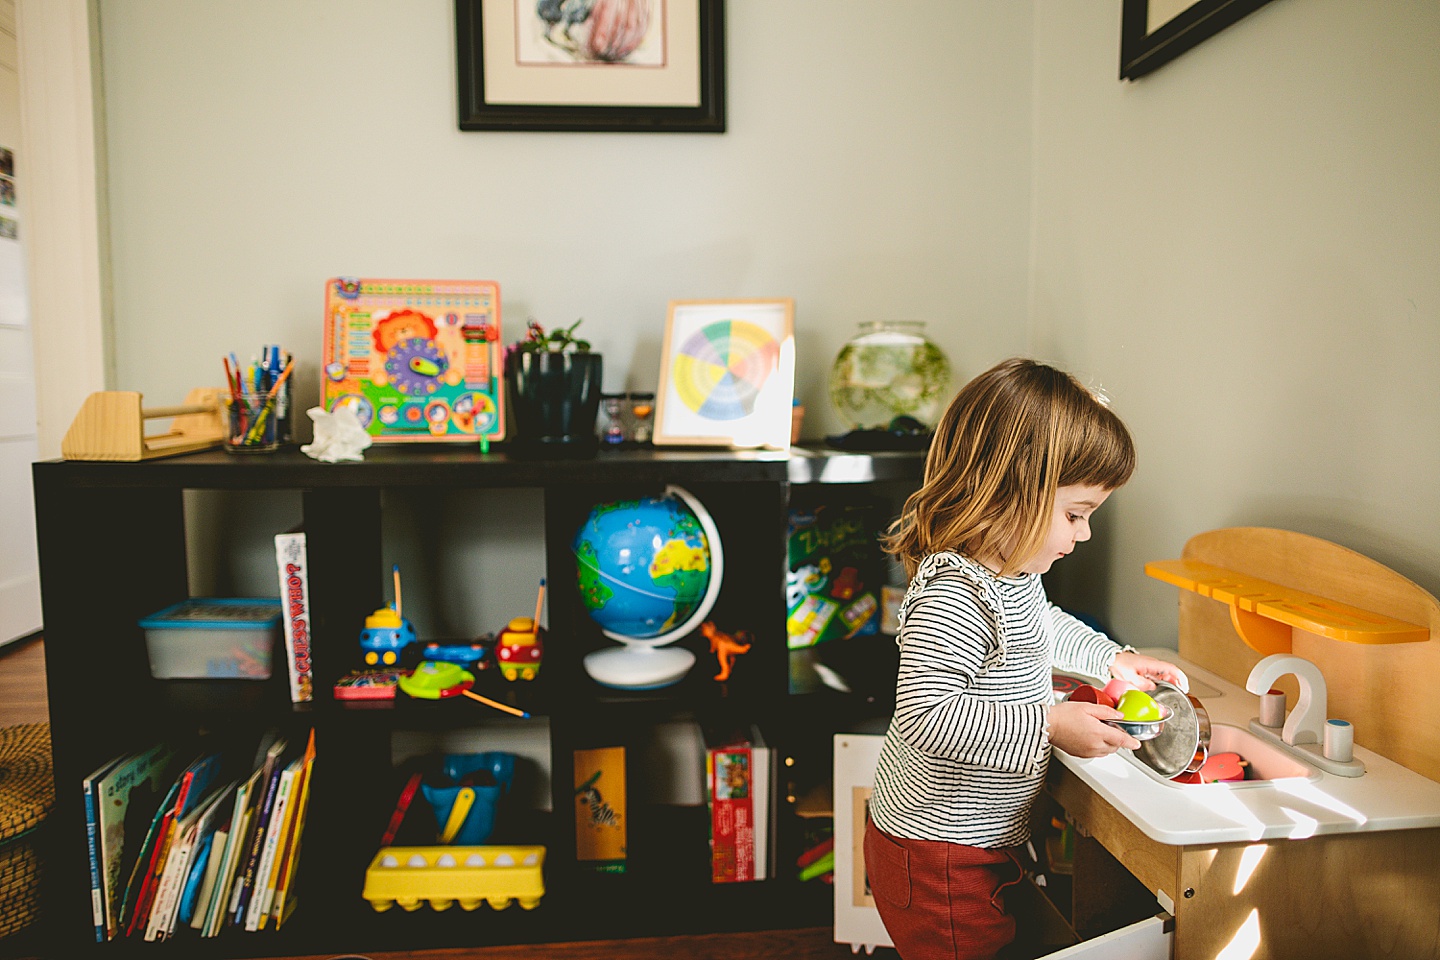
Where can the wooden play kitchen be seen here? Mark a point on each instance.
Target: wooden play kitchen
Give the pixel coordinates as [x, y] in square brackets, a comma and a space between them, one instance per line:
[1335, 849]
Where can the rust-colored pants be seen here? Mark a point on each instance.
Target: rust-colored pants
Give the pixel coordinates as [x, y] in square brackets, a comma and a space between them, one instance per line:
[940, 900]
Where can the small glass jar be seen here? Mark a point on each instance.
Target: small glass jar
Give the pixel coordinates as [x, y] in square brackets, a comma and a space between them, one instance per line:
[889, 369]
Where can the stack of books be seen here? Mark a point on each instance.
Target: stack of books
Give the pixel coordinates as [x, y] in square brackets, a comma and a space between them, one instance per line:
[216, 854]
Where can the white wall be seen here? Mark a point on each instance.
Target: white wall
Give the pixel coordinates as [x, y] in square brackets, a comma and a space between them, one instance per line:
[1243, 248]
[875, 166]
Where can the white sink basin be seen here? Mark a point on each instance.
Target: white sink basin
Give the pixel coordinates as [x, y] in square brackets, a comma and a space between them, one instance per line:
[1268, 763]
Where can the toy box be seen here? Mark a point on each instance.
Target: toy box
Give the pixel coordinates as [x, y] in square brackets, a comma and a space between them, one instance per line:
[833, 581]
[213, 639]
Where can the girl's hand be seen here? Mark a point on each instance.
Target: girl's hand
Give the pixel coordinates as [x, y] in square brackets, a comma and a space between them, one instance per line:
[1141, 671]
[1079, 730]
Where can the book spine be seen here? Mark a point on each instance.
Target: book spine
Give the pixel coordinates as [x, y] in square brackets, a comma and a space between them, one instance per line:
[92, 835]
[291, 855]
[246, 881]
[295, 600]
[267, 853]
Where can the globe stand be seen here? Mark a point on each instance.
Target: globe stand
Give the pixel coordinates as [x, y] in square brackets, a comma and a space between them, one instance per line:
[633, 667]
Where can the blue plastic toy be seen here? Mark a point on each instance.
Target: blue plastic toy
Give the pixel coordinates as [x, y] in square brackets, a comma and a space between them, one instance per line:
[386, 633]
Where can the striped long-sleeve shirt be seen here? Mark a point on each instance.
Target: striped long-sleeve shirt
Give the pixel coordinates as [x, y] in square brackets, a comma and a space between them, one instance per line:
[966, 752]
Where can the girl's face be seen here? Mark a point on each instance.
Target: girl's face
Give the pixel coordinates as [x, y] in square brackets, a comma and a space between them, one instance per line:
[1069, 525]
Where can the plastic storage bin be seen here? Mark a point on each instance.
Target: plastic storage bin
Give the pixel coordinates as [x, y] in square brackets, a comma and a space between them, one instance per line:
[213, 638]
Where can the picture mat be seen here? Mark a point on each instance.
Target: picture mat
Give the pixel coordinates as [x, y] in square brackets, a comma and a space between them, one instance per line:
[767, 424]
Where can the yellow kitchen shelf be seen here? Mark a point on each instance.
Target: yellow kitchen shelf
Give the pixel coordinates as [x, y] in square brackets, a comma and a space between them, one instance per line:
[1263, 613]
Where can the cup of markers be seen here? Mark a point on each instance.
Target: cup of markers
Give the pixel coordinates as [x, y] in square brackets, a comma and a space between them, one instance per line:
[253, 408]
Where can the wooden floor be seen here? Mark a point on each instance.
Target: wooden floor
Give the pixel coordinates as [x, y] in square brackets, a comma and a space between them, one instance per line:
[23, 700]
[22, 683]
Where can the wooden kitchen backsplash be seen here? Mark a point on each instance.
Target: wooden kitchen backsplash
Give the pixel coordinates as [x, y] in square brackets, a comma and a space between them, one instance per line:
[1389, 692]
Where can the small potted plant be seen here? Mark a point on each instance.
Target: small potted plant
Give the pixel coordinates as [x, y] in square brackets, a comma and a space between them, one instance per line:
[552, 382]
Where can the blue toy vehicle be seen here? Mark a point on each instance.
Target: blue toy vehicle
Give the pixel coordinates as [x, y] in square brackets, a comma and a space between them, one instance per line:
[385, 637]
[477, 654]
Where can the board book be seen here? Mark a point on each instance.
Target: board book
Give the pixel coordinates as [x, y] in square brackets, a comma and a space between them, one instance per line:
[418, 360]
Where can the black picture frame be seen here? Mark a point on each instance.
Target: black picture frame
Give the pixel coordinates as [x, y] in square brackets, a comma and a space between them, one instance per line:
[1142, 52]
[477, 114]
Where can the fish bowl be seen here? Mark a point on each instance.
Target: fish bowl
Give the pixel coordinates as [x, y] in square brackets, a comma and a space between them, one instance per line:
[889, 369]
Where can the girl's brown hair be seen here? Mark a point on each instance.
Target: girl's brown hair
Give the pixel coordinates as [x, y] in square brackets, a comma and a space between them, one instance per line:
[1008, 440]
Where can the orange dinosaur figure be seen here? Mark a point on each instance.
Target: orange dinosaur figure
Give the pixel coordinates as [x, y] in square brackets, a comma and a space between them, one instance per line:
[725, 647]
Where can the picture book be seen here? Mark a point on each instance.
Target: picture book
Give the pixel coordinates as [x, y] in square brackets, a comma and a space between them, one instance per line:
[264, 884]
[92, 839]
[144, 855]
[216, 907]
[191, 830]
[290, 856]
[190, 894]
[190, 787]
[738, 781]
[600, 809]
[214, 854]
[417, 360]
[832, 584]
[128, 795]
[295, 612]
[271, 768]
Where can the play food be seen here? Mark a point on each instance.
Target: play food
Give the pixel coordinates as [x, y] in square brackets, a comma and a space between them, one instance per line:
[1088, 694]
[1116, 688]
[1138, 706]
[1223, 766]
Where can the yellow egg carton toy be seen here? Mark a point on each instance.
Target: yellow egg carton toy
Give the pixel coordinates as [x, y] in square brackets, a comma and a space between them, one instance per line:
[443, 876]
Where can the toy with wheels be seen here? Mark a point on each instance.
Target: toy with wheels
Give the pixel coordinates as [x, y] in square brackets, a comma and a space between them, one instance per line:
[385, 637]
[519, 650]
[386, 633]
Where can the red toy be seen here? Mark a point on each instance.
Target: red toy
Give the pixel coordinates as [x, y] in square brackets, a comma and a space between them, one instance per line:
[519, 649]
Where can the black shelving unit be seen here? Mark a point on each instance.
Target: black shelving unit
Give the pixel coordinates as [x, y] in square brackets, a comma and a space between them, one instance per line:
[113, 549]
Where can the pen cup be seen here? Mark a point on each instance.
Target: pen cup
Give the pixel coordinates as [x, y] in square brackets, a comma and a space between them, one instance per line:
[250, 423]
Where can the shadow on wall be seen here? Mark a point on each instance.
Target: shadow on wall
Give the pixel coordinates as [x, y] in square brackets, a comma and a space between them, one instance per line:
[1081, 582]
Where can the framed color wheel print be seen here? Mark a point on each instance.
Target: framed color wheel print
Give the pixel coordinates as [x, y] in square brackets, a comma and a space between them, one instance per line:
[727, 376]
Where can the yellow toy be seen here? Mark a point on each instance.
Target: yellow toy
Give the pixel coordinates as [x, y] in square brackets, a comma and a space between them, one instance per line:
[443, 876]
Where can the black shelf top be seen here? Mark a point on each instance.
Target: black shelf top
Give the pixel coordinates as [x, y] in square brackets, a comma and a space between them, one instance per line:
[453, 465]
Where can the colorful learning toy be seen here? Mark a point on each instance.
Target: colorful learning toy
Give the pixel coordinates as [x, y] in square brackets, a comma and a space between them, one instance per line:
[417, 359]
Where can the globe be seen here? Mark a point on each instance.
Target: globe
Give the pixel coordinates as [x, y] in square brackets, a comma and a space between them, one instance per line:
[648, 571]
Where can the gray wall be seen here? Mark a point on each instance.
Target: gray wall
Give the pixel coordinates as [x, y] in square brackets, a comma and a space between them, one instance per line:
[1241, 249]
[876, 166]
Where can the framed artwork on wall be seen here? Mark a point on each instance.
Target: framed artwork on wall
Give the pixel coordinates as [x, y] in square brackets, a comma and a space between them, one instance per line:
[591, 65]
[1154, 32]
[727, 374]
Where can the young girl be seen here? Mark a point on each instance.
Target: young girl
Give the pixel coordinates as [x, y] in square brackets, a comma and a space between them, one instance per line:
[1019, 462]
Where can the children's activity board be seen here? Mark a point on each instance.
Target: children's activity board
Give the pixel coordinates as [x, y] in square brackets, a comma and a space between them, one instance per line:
[418, 360]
